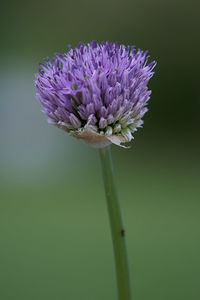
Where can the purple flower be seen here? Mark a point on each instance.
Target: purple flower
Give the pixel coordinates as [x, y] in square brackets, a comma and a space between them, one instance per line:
[96, 92]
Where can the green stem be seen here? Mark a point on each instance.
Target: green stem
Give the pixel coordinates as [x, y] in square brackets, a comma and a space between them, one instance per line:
[117, 229]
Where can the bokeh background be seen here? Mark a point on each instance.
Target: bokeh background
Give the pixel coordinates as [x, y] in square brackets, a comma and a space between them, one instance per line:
[54, 233]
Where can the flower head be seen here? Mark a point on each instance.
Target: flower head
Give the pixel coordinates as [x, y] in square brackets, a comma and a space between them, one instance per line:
[96, 92]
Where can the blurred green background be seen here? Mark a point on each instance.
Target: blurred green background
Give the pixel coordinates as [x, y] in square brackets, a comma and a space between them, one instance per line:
[54, 233]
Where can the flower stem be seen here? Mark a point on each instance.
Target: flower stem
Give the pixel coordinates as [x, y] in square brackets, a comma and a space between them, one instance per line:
[117, 229]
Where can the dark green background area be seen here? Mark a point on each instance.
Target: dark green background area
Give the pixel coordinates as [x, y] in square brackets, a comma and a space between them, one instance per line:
[55, 241]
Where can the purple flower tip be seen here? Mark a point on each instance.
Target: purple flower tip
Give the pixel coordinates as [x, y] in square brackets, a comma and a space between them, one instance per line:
[96, 92]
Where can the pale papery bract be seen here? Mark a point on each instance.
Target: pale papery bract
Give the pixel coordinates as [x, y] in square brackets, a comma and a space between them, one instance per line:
[96, 92]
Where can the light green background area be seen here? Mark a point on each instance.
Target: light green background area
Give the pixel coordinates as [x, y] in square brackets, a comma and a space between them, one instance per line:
[55, 238]
[55, 241]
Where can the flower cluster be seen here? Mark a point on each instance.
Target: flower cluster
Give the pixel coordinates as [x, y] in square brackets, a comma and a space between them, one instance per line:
[96, 92]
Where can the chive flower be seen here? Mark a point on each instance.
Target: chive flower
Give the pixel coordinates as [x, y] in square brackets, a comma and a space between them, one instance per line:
[96, 92]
